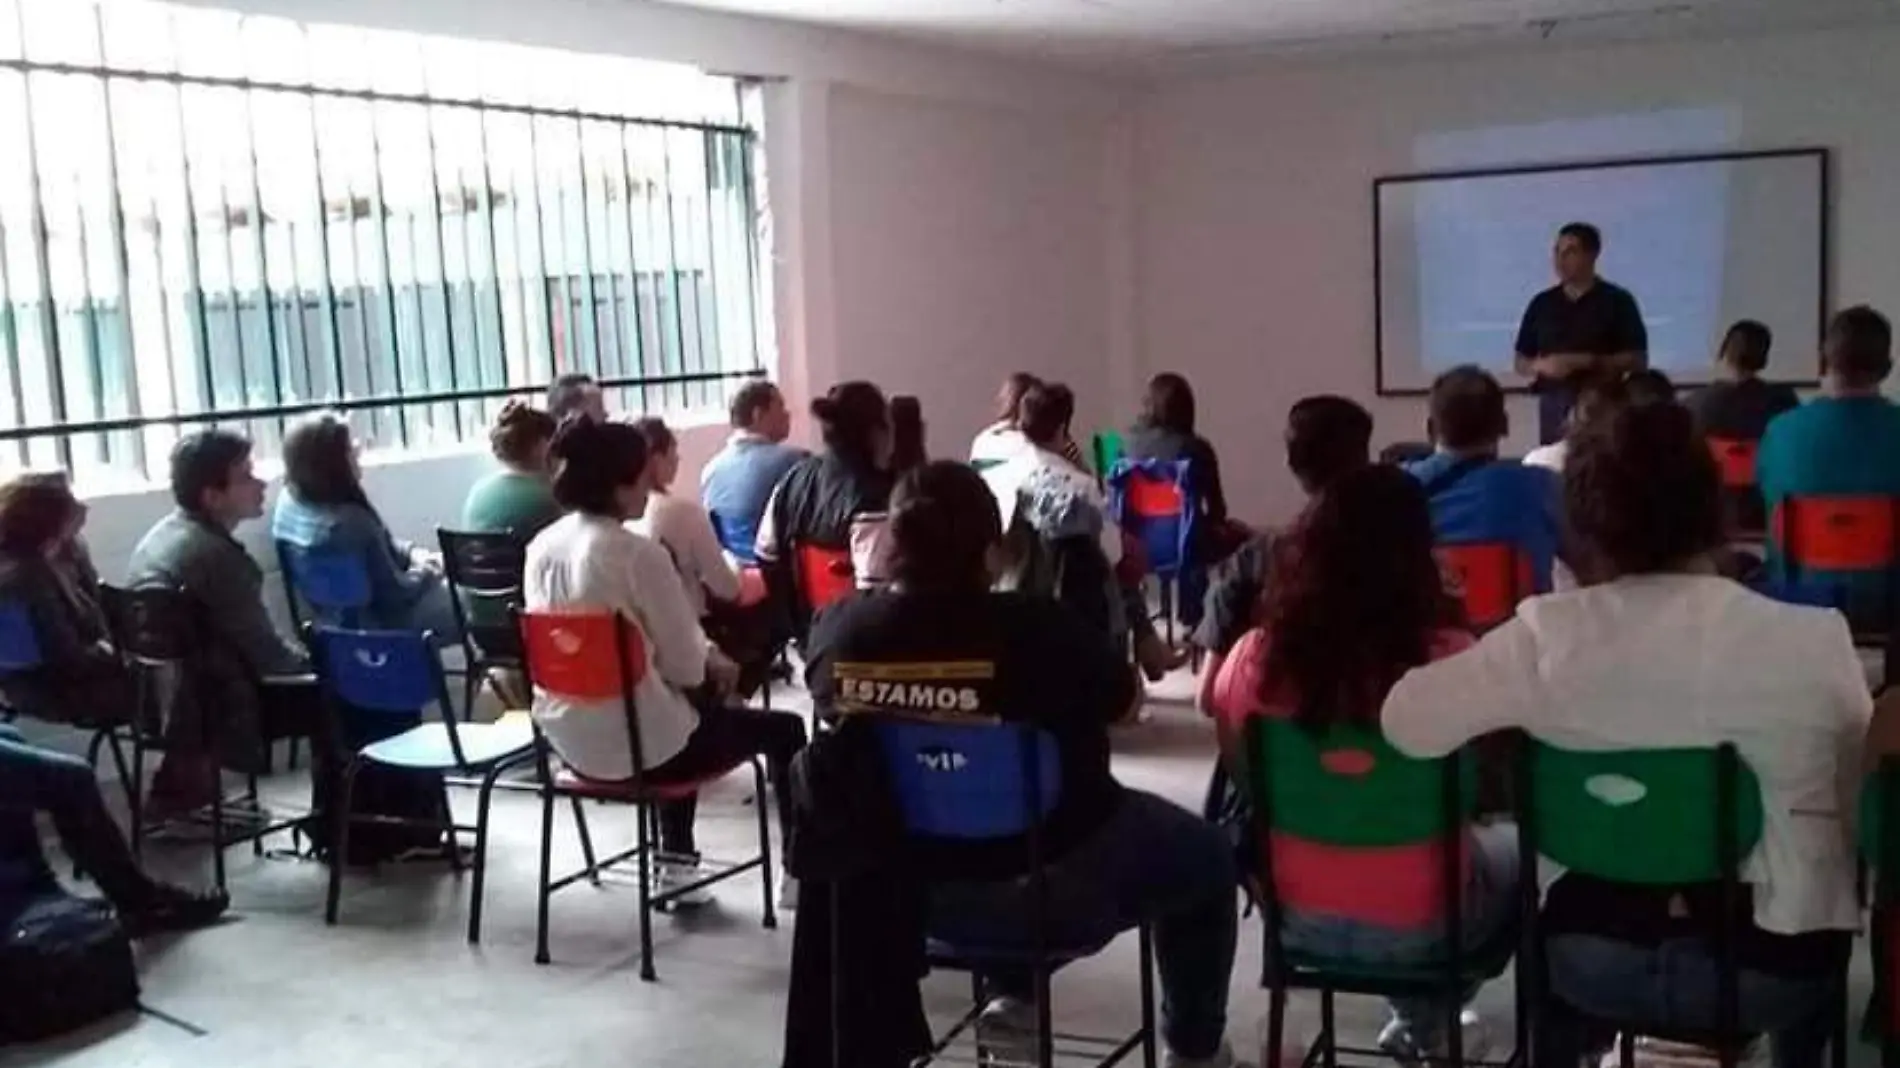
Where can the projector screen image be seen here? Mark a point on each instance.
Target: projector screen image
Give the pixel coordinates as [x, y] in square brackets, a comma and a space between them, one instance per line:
[1699, 242]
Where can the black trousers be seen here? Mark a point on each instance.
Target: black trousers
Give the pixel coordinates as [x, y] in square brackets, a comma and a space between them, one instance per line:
[725, 735]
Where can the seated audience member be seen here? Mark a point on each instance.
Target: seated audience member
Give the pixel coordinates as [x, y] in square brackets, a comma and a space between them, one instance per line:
[679, 525]
[194, 549]
[1475, 495]
[737, 482]
[1327, 437]
[907, 435]
[587, 561]
[1003, 438]
[1165, 431]
[1116, 857]
[1664, 653]
[1739, 405]
[516, 499]
[1057, 499]
[576, 394]
[323, 507]
[1845, 442]
[1358, 602]
[35, 780]
[836, 499]
[1596, 399]
[45, 570]
[1649, 386]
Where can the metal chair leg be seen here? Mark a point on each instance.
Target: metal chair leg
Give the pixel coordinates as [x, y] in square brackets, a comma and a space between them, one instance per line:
[1328, 1033]
[257, 841]
[1147, 967]
[765, 844]
[482, 801]
[646, 899]
[339, 856]
[217, 829]
[451, 847]
[1276, 1022]
[543, 893]
[587, 839]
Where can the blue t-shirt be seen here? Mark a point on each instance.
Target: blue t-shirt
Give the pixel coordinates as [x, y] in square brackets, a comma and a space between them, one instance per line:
[738, 481]
[1495, 501]
[1832, 446]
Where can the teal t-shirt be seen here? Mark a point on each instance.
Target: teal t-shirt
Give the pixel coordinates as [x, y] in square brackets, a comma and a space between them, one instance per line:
[509, 501]
[1832, 446]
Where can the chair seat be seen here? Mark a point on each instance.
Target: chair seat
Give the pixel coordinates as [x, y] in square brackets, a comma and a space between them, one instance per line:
[1487, 961]
[568, 781]
[428, 747]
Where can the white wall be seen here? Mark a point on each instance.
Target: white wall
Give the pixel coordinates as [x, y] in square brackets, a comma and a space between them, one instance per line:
[1254, 246]
[968, 239]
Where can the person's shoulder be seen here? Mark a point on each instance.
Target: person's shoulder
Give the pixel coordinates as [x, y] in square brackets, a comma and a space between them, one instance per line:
[1616, 292]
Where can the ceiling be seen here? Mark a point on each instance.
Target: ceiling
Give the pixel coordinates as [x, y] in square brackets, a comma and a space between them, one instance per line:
[1158, 36]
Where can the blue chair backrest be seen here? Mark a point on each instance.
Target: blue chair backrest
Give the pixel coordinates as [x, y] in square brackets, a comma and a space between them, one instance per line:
[393, 671]
[970, 780]
[19, 642]
[1154, 501]
[737, 537]
[334, 583]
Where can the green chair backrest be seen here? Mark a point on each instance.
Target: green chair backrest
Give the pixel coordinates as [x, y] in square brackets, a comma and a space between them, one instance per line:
[1875, 802]
[1349, 788]
[1106, 449]
[1644, 816]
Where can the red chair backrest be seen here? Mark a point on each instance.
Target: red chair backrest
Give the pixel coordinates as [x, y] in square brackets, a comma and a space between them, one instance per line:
[1153, 498]
[572, 655]
[1490, 577]
[1838, 533]
[1735, 458]
[824, 575]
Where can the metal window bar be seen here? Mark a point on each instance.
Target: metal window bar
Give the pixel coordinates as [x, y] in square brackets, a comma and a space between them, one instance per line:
[293, 367]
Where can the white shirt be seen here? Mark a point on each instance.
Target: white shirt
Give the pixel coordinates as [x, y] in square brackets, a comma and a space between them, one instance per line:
[1008, 478]
[685, 531]
[585, 563]
[1669, 661]
[1549, 456]
[996, 443]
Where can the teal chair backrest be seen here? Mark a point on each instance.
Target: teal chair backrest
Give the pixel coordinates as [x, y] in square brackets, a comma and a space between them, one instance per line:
[1644, 816]
[1348, 787]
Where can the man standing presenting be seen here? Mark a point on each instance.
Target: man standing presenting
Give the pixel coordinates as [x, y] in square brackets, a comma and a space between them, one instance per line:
[1580, 328]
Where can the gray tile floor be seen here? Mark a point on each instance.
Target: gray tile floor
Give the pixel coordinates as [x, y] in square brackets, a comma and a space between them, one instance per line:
[395, 985]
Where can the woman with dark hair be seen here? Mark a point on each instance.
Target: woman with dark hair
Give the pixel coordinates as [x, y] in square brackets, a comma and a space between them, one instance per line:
[1357, 602]
[1115, 857]
[588, 561]
[835, 499]
[516, 499]
[323, 507]
[1165, 431]
[1003, 438]
[907, 435]
[45, 570]
[1662, 652]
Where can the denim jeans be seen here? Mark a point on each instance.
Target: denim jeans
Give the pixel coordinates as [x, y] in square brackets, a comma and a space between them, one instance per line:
[1150, 863]
[1672, 986]
[34, 780]
[1490, 900]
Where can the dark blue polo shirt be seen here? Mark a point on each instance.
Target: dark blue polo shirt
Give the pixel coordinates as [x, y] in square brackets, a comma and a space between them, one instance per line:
[1603, 321]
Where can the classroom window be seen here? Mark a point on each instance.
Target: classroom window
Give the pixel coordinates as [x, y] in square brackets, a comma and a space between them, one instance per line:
[212, 217]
